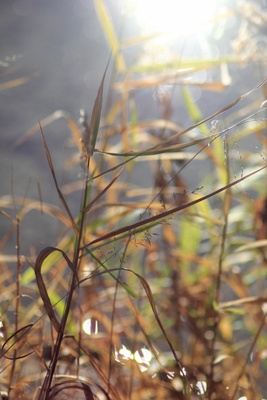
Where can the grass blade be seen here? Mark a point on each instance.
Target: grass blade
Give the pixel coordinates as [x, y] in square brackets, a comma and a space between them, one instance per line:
[111, 36]
[50, 163]
[157, 218]
[96, 115]
[16, 82]
[90, 205]
[41, 286]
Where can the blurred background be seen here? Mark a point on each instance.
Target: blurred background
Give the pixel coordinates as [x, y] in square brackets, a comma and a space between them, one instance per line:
[53, 55]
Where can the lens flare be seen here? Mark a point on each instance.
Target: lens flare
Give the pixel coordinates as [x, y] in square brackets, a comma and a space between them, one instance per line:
[175, 16]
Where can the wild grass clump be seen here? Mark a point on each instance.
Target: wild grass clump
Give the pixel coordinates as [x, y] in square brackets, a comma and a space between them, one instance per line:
[155, 286]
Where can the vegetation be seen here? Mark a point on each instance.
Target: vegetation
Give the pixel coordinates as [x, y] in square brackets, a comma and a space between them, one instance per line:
[155, 288]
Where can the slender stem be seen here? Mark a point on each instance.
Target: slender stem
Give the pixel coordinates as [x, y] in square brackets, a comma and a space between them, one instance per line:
[226, 209]
[49, 376]
[17, 306]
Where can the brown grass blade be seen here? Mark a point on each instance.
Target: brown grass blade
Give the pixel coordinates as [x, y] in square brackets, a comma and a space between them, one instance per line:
[31, 204]
[50, 163]
[250, 352]
[221, 111]
[96, 115]
[4, 214]
[157, 218]
[240, 302]
[41, 286]
[59, 114]
[69, 385]
[152, 81]
[162, 146]
[24, 330]
[90, 205]
[154, 309]
[17, 82]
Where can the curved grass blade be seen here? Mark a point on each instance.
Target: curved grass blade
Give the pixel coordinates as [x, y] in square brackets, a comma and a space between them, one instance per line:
[41, 286]
[24, 330]
[69, 384]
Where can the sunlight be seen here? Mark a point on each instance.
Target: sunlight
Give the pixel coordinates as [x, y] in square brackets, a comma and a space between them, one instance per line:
[179, 17]
[90, 326]
[143, 357]
[202, 387]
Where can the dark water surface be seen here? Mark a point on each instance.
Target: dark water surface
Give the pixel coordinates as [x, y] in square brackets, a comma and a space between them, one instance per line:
[63, 44]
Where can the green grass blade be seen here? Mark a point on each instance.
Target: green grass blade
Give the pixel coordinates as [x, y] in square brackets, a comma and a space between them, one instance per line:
[110, 34]
[193, 110]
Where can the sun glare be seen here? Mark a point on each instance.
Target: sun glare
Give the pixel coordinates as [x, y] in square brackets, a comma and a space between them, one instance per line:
[175, 16]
